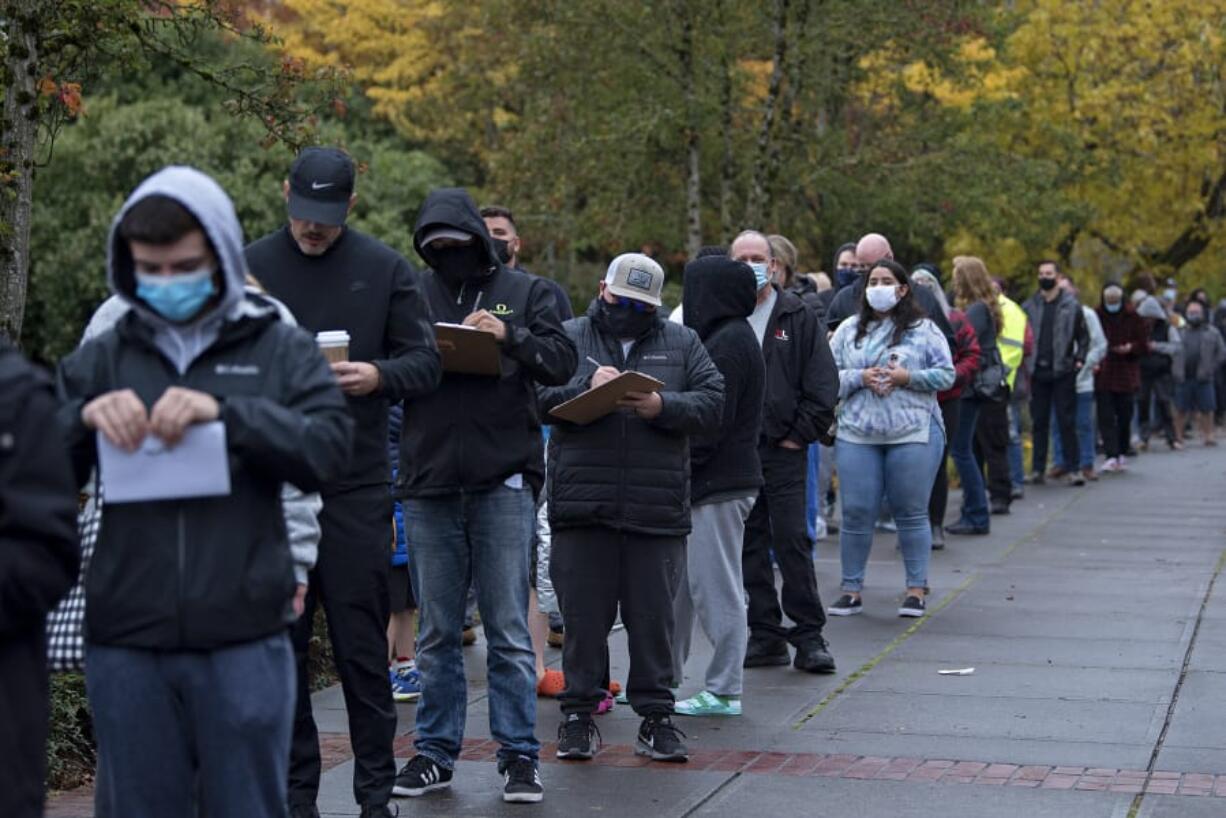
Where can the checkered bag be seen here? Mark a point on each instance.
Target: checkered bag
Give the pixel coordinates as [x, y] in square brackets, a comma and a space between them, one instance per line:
[66, 624]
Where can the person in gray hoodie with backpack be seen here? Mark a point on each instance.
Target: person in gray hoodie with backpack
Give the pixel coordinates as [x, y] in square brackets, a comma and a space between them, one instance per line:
[189, 669]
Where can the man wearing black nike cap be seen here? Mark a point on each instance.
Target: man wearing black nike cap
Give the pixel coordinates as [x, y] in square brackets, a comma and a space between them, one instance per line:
[335, 278]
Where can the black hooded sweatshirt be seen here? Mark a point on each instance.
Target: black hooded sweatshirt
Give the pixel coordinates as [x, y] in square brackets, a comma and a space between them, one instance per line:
[366, 288]
[477, 431]
[719, 294]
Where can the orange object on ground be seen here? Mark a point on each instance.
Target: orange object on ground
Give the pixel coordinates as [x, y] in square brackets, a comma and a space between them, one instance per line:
[551, 684]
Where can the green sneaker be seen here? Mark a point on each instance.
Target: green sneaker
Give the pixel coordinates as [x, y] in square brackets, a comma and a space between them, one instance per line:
[708, 704]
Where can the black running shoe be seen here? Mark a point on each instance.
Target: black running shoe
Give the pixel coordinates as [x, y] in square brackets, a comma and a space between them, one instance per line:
[420, 776]
[379, 811]
[660, 739]
[522, 781]
[912, 606]
[578, 737]
[764, 653]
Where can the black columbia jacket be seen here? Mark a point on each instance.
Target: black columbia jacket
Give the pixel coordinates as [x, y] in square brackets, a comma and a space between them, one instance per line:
[802, 381]
[623, 472]
[196, 574]
[475, 431]
[719, 296]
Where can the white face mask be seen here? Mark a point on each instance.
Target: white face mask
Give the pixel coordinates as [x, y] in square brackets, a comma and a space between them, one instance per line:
[882, 297]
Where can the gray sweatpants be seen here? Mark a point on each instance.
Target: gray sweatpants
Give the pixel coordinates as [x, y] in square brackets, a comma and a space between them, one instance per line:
[711, 587]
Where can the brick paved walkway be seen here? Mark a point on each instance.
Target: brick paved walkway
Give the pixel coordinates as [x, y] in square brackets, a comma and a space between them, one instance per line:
[1098, 636]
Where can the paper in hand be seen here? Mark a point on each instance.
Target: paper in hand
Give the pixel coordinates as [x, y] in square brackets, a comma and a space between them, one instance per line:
[198, 466]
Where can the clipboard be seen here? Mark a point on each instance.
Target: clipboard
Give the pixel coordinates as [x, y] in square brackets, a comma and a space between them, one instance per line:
[596, 403]
[468, 350]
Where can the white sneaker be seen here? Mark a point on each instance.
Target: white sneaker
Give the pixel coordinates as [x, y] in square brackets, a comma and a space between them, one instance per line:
[1111, 465]
[1123, 463]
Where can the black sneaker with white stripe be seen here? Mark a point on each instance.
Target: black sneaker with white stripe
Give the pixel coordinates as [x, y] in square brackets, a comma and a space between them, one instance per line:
[660, 739]
[912, 606]
[420, 776]
[522, 781]
[847, 605]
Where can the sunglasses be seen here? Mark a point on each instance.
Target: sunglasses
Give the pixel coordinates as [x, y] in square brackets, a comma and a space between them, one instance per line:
[632, 304]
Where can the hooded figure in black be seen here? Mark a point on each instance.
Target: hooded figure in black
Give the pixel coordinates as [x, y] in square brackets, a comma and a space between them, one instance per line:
[471, 463]
[726, 473]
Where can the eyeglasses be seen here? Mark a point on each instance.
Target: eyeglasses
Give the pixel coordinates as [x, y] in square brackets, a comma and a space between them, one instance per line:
[632, 304]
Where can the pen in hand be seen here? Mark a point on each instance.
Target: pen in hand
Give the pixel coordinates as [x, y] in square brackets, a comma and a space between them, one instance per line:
[594, 362]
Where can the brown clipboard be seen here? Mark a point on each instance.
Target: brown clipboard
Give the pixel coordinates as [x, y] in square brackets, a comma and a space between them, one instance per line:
[468, 350]
[596, 403]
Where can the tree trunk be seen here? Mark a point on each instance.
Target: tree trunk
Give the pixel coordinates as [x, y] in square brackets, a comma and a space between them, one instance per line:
[757, 193]
[727, 169]
[17, 146]
[693, 182]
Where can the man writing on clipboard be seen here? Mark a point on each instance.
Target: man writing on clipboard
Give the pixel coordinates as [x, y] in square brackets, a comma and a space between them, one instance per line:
[619, 501]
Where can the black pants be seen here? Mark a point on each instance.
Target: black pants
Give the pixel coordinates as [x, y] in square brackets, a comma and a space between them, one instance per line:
[350, 580]
[1061, 392]
[594, 570]
[1158, 390]
[939, 499]
[1115, 420]
[992, 448]
[777, 523]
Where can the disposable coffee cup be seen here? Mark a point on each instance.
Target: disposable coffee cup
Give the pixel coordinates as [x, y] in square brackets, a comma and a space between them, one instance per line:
[334, 345]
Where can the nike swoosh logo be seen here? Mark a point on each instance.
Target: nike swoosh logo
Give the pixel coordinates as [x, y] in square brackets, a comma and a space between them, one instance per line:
[318, 186]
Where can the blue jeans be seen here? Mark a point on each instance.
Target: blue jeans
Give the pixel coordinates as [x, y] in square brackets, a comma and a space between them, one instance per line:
[484, 539]
[813, 502]
[903, 472]
[179, 727]
[1017, 470]
[962, 453]
[1085, 435]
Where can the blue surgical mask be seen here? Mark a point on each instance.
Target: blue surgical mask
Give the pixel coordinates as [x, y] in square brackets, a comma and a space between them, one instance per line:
[176, 297]
[761, 273]
[1113, 307]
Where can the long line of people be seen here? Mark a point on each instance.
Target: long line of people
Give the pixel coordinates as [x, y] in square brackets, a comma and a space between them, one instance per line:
[675, 510]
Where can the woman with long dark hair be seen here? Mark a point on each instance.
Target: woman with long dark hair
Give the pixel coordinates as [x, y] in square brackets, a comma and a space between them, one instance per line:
[892, 362]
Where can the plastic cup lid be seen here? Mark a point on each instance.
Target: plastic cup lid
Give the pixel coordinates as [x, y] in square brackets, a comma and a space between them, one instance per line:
[332, 337]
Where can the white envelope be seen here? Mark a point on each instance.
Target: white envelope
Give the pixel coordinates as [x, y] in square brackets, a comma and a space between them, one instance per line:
[197, 467]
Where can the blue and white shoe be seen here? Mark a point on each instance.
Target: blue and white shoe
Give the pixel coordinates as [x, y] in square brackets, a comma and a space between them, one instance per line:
[406, 683]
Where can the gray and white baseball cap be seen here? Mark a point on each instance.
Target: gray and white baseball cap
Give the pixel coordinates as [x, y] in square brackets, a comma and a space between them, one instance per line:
[635, 276]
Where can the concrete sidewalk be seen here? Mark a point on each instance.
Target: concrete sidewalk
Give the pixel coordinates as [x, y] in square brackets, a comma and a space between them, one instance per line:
[1098, 639]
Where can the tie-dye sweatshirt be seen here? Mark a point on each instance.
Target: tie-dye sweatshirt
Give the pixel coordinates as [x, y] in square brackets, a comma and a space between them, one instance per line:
[904, 415]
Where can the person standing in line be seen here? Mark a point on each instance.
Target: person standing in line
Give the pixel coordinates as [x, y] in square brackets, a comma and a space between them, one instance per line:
[801, 391]
[189, 664]
[1062, 343]
[892, 362]
[981, 417]
[402, 599]
[1016, 345]
[1164, 355]
[332, 278]
[619, 503]
[1119, 375]
[1203, 353]
[39, 560]
[472, 464]
[725, 476]
[966, 363]
[1086, 437]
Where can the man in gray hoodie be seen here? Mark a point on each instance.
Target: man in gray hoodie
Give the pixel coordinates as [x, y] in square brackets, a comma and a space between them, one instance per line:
[190, 670]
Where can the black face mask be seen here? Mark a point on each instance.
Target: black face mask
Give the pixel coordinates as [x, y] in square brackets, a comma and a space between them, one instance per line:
[460, 264]
[625, 322]
[1046, 283]
[502, 249]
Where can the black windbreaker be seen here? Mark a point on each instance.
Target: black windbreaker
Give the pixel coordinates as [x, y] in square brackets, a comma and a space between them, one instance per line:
[802, 381]
[476, 431]
[719, 295]
[366, 288]
[197, 574]
[620, 471]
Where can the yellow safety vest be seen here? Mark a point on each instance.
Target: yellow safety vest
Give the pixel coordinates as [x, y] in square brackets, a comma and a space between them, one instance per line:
[1011, 339]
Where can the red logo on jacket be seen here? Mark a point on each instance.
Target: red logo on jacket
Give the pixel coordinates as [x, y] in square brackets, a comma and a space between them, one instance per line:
[781, 334]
